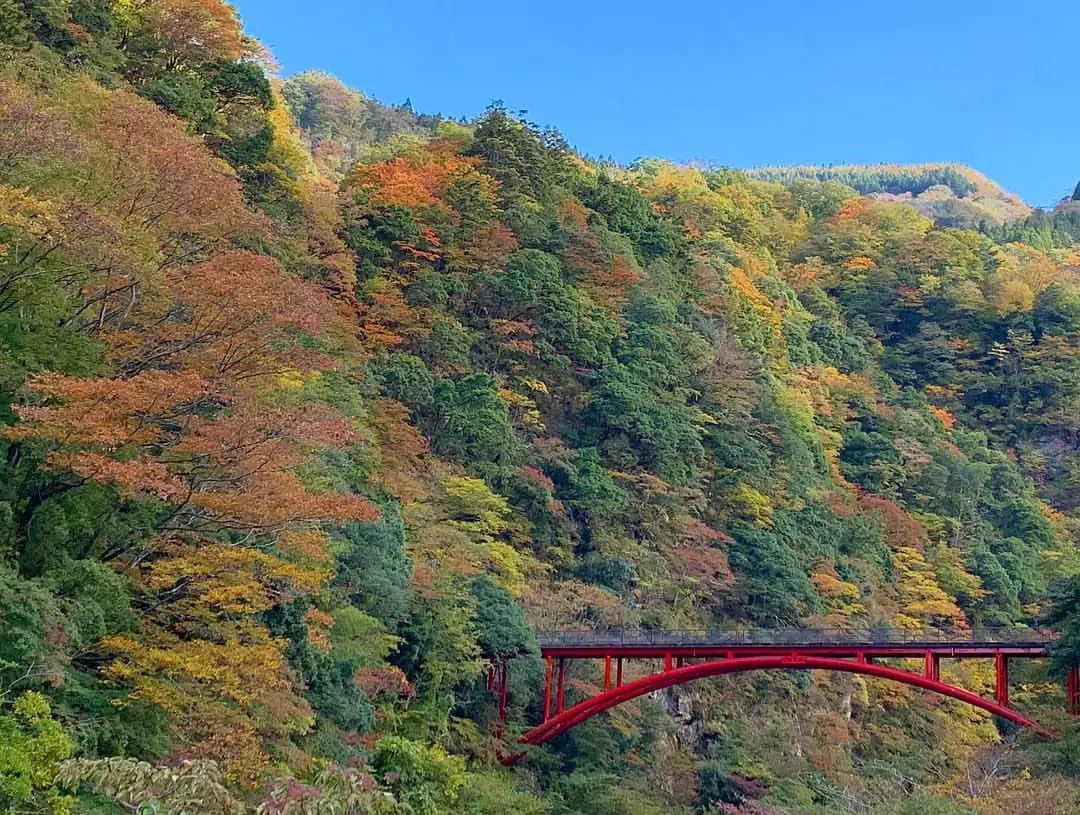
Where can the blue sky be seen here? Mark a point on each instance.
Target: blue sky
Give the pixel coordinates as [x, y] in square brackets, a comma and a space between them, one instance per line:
[744, 83]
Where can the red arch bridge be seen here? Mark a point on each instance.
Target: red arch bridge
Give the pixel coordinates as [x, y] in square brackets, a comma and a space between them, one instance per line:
[675, 657]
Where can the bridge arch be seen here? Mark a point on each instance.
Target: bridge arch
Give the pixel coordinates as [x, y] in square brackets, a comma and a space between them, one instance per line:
[561, 722]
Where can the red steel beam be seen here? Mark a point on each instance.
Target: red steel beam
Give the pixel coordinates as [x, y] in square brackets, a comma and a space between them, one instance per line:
[1001, 679]
[560, 693]
[932, 663]
[547, 687]
[570, 717]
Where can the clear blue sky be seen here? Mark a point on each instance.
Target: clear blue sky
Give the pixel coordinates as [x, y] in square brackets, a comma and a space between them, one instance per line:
[992, 84]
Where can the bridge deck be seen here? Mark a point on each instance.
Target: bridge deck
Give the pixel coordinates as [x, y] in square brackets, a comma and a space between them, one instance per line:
[1020, 642]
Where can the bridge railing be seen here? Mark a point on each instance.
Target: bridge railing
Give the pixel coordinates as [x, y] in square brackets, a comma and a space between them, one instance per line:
[793, 636]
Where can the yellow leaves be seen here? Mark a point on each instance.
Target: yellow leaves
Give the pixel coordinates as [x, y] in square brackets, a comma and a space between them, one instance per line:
[239, 672]
[1021, 274]
[841, 597]
[467, 530]
[287, 149]
[922, 600]
[535, 385]
[952, 574]
[507, 567]
[474, 508]
[20, 209]
[291, 381]
[527, 410]
[1014, 296]
[231, 579]
[748, 505]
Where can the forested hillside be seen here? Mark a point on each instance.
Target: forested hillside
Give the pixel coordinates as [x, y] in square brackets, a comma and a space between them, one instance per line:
[311, 407]
[949, 194]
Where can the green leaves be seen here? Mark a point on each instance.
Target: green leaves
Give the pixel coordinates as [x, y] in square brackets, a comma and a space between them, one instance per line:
[1064, 617]
[471, 423]
[32, 745]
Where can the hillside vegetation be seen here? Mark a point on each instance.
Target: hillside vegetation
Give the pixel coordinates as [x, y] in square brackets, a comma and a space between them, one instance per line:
[312, 407]
[949, 194]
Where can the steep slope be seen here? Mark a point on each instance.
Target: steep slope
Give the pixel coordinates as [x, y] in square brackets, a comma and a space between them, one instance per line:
[340, 124]
[287, 460]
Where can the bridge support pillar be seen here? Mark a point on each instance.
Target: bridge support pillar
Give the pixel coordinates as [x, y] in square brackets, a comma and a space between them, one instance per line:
[618, 673]
[1072, 690]
[560, 691]
[1001, 676]
[607, 672]
[932, 669]
[669, 664]
[547, 686]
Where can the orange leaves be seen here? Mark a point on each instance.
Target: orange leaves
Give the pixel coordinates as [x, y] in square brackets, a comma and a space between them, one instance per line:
[900, 528]
[383, 683]
[231, 469]
[403, 449]
[842, 598]
[516, 336]
[943, 416]
[488, 246]
[192, 31]
[413, 183]
[271, 500]
[236, 285]
[227, 318]
[252, 437]
[161, 179]
[129, 477]
[860, 263]
[573, 604]
[699, 560]
[107, 412]
[608, 275]
[388, 321]
[29, 129]
[398, 182]
[572, 215]
[319, 624]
